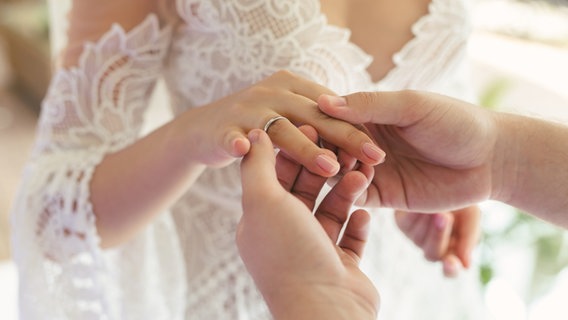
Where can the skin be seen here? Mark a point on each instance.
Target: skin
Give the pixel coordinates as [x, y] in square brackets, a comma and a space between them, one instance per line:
[448, 237]
[126, 200]
[464, 153]
[381, 29]
[443, 154]
[132, 185]
[299, 261]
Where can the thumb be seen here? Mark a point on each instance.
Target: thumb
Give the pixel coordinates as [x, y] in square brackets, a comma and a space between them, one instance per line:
[258, 166]
[400, 108]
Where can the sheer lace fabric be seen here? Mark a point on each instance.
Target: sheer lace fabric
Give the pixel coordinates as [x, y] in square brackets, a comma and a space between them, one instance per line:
[89, 111]
[185, 264]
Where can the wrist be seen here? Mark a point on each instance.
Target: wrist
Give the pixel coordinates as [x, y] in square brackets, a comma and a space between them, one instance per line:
[531, 160]
[502, 165]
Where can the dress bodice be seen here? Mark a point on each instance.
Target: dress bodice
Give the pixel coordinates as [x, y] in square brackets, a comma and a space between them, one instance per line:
[232, 44]
[223, 46]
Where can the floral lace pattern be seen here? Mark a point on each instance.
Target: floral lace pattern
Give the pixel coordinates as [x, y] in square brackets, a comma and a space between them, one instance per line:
[185, 264]
[229, 45]
[437, 49]
[89, 111]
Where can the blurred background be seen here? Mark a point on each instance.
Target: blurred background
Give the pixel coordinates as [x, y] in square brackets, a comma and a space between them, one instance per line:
[24, 76]
[519, 63]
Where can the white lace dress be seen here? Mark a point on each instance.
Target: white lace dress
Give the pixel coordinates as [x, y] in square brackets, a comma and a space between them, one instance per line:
[185, 265]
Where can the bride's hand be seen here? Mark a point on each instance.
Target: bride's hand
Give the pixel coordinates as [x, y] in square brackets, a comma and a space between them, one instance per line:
[218, 132]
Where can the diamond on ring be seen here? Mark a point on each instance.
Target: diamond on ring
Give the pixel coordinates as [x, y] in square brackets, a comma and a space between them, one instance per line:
[272, 121]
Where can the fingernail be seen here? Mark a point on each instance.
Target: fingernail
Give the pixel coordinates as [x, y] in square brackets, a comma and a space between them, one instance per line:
[440, 222]
[327, 164]
[467, 260]
[336, 101]
[373, 152]
[450, 268]
[254, 136]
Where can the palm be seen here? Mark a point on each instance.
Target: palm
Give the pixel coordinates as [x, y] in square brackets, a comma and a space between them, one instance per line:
[357, 283]
[285, 247]
[427, 174]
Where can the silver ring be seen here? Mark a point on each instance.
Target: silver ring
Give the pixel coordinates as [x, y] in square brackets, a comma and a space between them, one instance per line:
[272, 121]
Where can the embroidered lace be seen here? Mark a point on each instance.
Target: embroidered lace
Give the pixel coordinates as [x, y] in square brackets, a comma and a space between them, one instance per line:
[185, 264]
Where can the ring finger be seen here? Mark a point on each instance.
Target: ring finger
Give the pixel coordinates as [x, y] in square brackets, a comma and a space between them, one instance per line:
[286, 136]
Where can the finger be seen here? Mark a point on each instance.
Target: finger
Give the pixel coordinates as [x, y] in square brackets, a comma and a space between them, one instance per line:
[301, 149]
[350, 139]
[286, 168]
[353, 139]
[300, 85]
[419, 229]
[347, 162]
[405, 220]
[396, 108]
[467, 234]
[450, 266]
[367, 171]
[258, 175]
[437, 241]
[236, 143]
[308, 185]
[340, 133]
[334, 209]
[356, 233]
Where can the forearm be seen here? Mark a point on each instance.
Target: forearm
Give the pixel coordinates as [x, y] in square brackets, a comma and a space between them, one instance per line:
[133, 185]
[318, 303]
[531, 170]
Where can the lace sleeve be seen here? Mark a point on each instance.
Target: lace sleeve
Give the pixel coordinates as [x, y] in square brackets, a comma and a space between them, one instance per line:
[90, 110]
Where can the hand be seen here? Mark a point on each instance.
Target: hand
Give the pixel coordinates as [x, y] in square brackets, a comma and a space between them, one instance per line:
[439, 150]
[448, 237]
[293, 259]
[218, 131]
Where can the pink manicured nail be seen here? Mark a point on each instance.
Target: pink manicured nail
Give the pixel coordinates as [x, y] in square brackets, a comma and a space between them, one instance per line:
[373, 152]
[440, 222]
[254, 136]
[450, 268]
[336, 101]
[327, 164]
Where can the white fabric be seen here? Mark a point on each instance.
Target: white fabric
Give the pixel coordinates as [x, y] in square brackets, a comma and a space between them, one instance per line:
[185, 264]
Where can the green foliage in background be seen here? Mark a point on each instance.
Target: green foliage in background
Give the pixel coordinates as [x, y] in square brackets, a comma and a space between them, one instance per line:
[548, 243]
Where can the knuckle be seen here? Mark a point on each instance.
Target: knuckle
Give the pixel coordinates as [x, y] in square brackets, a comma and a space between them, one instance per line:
[410, 96]
[256, 92]
[318, 115]
[355, 135]
[367, 98]
[284, 74]
[307, 148]
[237, 108]
[333, 216]
[414, 99]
